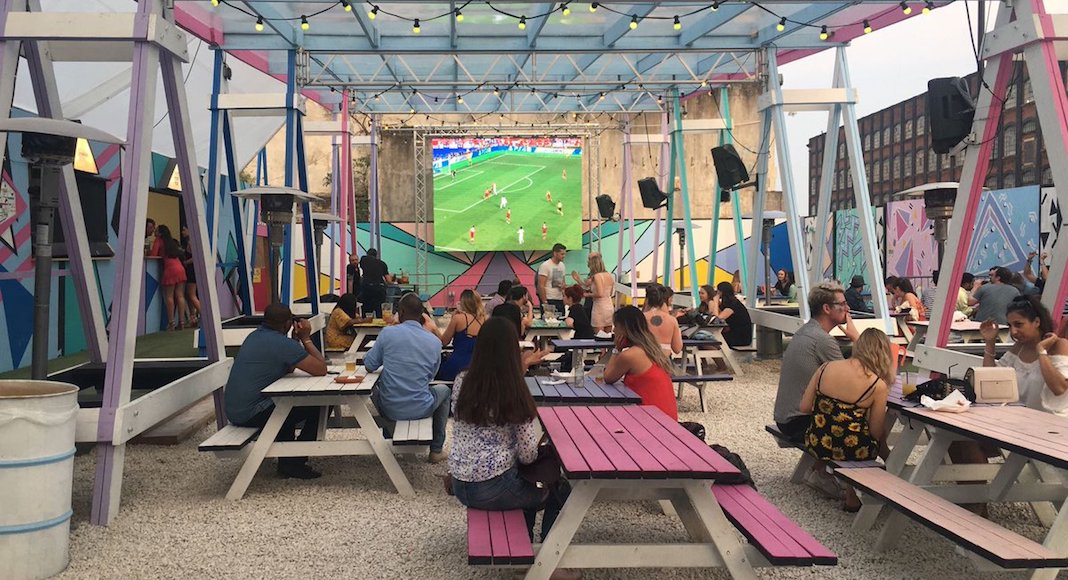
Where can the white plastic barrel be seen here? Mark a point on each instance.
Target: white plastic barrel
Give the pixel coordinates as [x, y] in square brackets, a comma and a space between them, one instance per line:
[37, 420]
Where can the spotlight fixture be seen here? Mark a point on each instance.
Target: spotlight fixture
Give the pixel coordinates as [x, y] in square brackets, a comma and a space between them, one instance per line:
[867, 27]
[928, 6]
[593, 7]
[304, 22]
[373, 13]
[522, 23]
[259, 24]
[633, 21]
[781, 25]
[823, 33]
[677, 25]
[566, 10]
[905, 9]
[459, 15]
[416, 29]
[345, 4]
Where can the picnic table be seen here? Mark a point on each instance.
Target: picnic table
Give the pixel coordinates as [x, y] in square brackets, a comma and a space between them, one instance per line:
[1035, 444]
[637, 452]
[569, 393]
[236, 330]
[541, 328]
[968, 331]
[299, 389]
[366, 330]
[581, 345]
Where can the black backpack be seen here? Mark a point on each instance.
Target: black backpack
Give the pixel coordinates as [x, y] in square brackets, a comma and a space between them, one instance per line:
[736, 460]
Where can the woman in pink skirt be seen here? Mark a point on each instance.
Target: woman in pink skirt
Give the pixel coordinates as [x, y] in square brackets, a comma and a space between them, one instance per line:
[173, 279]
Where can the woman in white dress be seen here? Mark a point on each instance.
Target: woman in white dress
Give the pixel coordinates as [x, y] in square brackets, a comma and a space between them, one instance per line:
[1039, 357]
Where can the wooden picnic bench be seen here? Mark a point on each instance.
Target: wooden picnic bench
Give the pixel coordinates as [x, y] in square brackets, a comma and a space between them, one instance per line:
[781, 541]
[700, 382]
[807, 461]
[498, 538]
[546, 392]
[1005, 548]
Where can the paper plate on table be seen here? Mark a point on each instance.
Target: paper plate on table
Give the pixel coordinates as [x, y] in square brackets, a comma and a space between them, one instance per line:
[348, 379]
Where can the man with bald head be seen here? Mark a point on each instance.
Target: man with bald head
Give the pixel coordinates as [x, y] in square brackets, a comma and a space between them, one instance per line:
[267, 355]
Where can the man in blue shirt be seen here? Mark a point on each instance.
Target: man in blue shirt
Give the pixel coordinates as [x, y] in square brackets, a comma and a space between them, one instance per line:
[267, 355]
[409, 354]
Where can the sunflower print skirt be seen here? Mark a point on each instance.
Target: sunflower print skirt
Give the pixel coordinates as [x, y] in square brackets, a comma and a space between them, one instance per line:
[839, 432]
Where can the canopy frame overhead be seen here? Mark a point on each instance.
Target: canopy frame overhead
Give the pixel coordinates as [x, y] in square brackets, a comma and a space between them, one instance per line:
[150, 40]
[535, 57]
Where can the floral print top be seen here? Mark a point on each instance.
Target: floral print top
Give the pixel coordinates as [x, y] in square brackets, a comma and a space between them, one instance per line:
[839, 430]
[482, 452]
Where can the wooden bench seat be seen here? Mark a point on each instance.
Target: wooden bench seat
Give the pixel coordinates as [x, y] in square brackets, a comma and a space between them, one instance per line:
[975, 533]
[806, 461]
[700, 382]
[773, 534]
[229, 439]
[414, 432]
[498, 538]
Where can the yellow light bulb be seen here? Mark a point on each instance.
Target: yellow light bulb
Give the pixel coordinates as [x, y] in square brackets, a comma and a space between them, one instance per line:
[259, 25]
[304, 22]
[523, 23]
[677, 25]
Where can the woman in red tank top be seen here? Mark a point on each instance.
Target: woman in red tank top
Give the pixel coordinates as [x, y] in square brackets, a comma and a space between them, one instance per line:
[641, 363]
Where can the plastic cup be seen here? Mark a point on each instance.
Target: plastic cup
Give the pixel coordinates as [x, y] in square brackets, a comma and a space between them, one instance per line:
[908, 388]
[597, 372]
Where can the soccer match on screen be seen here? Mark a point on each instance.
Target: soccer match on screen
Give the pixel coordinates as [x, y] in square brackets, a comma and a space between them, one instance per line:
[507, 193]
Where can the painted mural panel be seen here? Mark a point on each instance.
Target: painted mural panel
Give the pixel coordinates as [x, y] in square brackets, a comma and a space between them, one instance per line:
[849, 258]
[1050, 219]
[1007, 228]
[828, 244]
[910, 245]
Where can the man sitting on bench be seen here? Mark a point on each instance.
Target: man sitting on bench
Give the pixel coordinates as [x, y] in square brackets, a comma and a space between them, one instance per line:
[811, 347]
[267, 355]
[409, 356]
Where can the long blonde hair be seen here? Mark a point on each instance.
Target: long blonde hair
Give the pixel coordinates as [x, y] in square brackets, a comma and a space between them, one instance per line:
[630, 323]
[471, 303]
[596, 263]
[872, 351]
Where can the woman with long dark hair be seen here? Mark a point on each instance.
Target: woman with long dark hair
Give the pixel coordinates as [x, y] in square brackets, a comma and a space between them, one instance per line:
[495, 431]
[1039, 357]
[191, 297]
[905, 296]
[729, 309]
[661, 322]
[641, 362]
[343, 317]
[172, 279]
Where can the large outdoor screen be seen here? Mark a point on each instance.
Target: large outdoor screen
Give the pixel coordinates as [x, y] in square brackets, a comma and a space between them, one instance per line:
[507, 193]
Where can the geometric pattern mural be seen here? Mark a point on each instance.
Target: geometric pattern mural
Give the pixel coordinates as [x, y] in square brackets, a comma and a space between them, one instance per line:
[910, 245]
[1006, 229]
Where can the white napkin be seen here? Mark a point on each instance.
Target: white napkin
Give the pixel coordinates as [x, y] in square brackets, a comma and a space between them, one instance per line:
[553, 382]
[954, 403]
[561, 375]
[603, 334]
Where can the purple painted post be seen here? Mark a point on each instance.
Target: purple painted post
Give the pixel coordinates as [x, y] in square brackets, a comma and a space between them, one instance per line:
[348, 204]
[376, 217]
[624, 209]
[129, 270]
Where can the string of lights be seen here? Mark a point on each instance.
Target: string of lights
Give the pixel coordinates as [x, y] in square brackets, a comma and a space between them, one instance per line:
[826, 32]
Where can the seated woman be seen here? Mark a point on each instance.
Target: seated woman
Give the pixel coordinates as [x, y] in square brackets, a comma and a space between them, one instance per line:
[461, 332]
[707, 295]
[339, 335]
[663, 325]
[1039, 357]
[496, 431]
[576, 319]
[847, 399]
[641, 362]
[785, 285]
[729, 309]
[905, 298]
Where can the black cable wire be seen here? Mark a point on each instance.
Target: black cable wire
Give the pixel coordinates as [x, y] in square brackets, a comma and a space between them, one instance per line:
[185, 81]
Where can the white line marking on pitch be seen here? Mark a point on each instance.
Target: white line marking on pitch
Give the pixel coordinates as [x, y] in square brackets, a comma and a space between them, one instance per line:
[461, 180]
[500, 191]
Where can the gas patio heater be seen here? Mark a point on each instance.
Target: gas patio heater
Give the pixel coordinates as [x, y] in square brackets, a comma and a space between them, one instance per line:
[48, 145]
[321, 221]
[276, 210]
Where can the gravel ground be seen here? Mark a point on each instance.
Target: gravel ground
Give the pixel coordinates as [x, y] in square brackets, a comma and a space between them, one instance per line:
[176, 523]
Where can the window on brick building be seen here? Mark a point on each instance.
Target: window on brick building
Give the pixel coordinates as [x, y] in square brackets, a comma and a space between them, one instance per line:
[897, 167]
[1010, 99]
[886, 170]
[1009, 180]
[932, 162]
[908, 165]
[945, 161]
[1029, 150]
[867, 142]
[886, 136]
[1047, 176]
[875, 140]
[908, 129]
[1028, 94]
[1008, 140]
[919, 163]
[897, 132]
[991, 181]
[921, 125]
[875, 173]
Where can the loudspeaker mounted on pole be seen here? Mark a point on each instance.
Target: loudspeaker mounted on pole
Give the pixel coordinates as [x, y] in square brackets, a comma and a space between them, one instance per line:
[730, 170]
[605, 206]
[950, 112]
[652, 197]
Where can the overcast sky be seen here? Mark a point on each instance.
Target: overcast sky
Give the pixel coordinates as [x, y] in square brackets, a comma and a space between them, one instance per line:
[887, 67]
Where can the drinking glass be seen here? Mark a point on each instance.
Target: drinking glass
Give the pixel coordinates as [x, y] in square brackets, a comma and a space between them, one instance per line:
[387, 312]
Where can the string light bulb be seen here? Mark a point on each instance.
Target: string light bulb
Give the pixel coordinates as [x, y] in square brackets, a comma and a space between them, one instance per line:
[715, 5]
[215, 3]
[781, 25]
[304, 22]
[660, 99]
[522, 23]
[416, 29]
[704, 82]
[566, 10]
[411, 111]
[345, 4]
[259, 24]
[459, 98]
[928, 6]
[593, 6]
[496, 92]
[459, 15]
[633, 21]
[373, 13]
[823, 33]
[601, 96]
[677, 25]
[867, 27]
[905, 9]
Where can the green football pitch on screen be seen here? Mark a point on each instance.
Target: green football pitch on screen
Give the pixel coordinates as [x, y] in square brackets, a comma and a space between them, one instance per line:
[533, 191]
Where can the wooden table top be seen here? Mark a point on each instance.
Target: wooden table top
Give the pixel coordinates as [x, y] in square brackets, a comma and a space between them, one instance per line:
[628, 442]
[592, 392]
[541, 324]
[299, 383]
[964, 326]
[609, 343]
[1036, 434]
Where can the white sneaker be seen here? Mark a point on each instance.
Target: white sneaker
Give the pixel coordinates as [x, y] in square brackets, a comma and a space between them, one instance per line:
[823, 482]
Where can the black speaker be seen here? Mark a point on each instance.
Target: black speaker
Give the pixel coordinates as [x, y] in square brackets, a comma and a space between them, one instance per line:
[730, 171]
[605, 206]
[950, 111]
[652, 197]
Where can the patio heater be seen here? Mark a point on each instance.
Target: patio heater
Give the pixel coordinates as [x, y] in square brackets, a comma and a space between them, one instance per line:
[321, 221]
[768, 223]
[48, 144]
[276, 210]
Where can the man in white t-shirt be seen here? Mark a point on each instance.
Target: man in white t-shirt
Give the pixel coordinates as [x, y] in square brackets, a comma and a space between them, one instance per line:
[551, 278]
